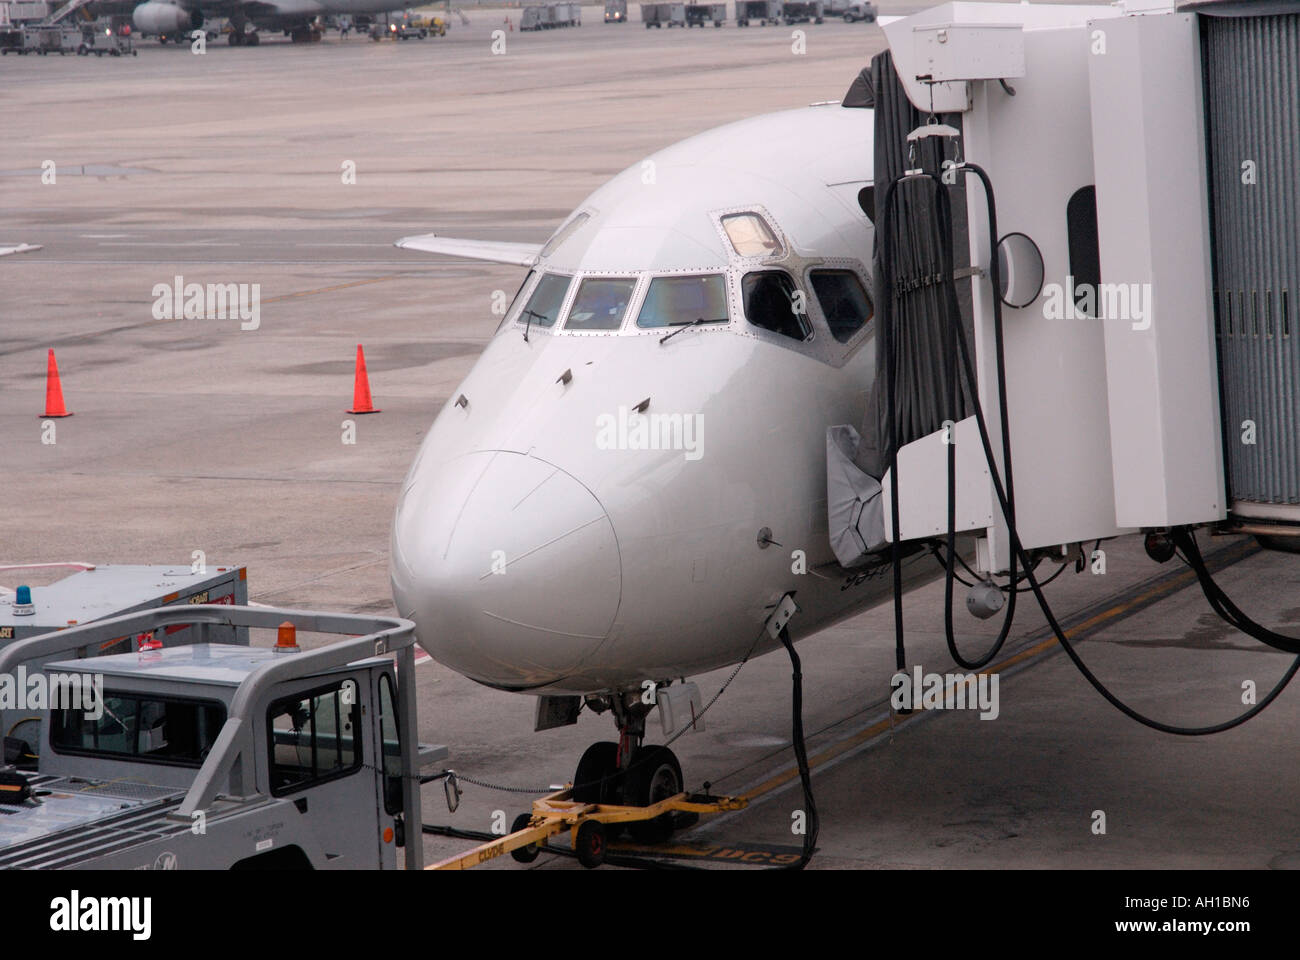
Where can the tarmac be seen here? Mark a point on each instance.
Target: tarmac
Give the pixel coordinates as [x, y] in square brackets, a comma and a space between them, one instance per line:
[232, 167]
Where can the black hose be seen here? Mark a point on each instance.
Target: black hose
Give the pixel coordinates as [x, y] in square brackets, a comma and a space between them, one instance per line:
[951, 395]
[1185, 540]
[811, 822]
[1218, 600]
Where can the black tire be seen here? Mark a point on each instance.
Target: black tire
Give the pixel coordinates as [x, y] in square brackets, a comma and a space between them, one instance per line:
[529, 853]
[653, 775]
[597, 779]
[589, 843]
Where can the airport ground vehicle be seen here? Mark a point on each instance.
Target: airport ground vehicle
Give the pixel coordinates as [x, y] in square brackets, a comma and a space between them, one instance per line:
[550, 16]
[93, 592]
[803, 11]
[22, 40]
[866, 12]
[616, 11]
[412, 28]
[101, 40]
[219, 755]
[761, 11]
[532, 18]
[41, 38]
[700, 14]
[659, 15]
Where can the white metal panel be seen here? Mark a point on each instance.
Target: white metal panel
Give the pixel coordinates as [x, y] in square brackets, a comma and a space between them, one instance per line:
[1153, 228]
[923, 467]
[953, 51]
[951, 96]
[1037, 150]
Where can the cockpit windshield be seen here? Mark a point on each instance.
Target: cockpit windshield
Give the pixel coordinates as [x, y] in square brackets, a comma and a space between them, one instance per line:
[672, 301]
[600, 303]
[543, 307]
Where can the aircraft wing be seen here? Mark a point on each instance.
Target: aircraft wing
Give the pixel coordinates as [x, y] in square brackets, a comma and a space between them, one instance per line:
[494, 251]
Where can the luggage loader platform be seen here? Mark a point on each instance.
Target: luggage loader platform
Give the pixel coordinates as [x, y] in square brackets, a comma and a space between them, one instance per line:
[557, 812]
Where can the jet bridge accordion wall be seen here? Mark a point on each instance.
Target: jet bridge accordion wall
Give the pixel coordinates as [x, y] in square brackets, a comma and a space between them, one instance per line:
[918, 303]
[1253, 136]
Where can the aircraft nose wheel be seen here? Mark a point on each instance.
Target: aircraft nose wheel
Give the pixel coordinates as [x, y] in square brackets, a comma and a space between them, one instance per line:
[598, 779]
[653, 775]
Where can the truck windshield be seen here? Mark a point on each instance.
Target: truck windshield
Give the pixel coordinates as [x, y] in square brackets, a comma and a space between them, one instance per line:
[137, 727]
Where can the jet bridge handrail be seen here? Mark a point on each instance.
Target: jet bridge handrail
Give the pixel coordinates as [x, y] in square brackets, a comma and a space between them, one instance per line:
[234, 752]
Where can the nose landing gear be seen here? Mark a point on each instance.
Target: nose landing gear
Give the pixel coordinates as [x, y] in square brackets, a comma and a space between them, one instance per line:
[629, 772]
[618, 785]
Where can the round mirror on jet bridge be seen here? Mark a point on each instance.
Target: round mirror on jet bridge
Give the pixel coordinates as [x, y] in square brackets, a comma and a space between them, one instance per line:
[1020, 269]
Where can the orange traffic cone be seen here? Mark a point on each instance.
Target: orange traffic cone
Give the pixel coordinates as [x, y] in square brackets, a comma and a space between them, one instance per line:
[361, 389]
[54, 391]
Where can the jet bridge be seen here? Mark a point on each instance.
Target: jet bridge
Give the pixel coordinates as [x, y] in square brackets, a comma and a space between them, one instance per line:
[1146, 255]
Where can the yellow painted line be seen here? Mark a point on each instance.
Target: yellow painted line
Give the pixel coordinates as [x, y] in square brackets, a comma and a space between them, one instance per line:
[1038, 649]
[337, 286]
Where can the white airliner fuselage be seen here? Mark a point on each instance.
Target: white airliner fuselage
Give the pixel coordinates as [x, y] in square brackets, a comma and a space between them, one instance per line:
[597, 505]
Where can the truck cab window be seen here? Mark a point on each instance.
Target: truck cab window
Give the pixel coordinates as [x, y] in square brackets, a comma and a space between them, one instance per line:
[148, 729]
[392, 745]
[600, 303]
[843, 300]
[771, 303]
[314, 737]
[543, 307]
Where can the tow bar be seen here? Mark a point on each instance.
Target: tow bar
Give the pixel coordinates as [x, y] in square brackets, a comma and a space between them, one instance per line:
[557, 812]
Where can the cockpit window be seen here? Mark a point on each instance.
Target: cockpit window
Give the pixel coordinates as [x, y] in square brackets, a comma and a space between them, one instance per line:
[750, 235]
[544, 305]
[773, 303]
[564, 233]
[845, 304]
[514, 301]
[673, 301]
[600, 303]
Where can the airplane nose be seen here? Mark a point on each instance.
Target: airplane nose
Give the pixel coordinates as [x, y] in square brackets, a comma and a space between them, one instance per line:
[508, 566]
